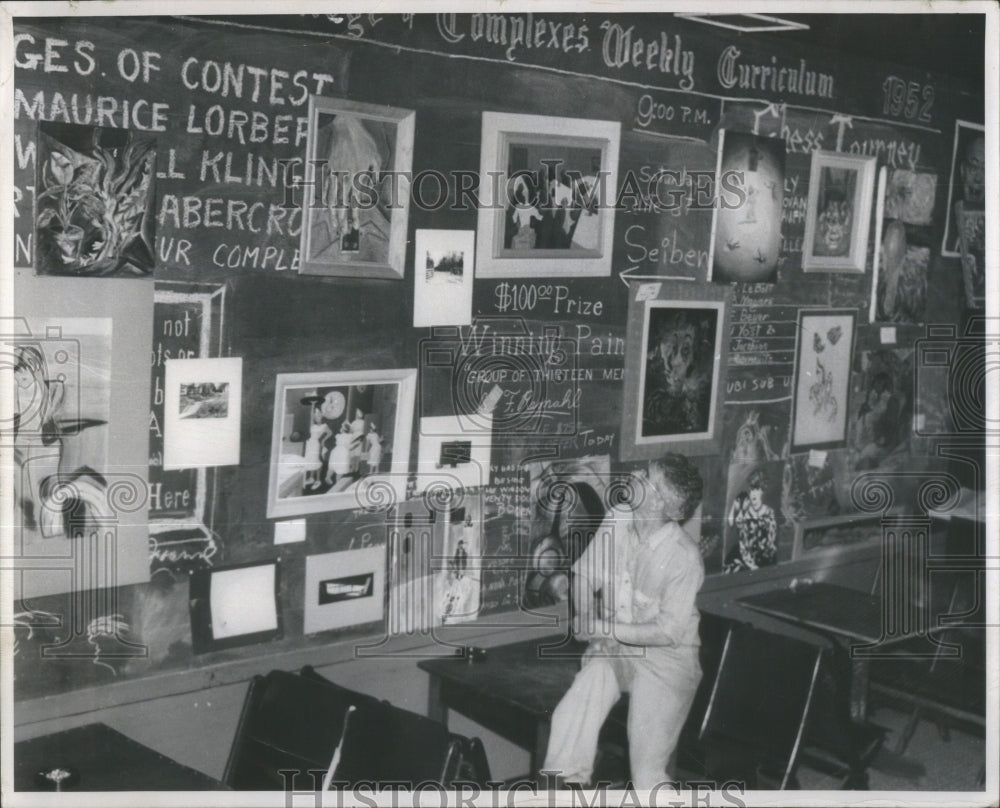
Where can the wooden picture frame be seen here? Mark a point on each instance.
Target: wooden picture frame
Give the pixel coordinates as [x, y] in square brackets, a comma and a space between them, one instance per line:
[546, 206]
[824, 353]
[839, 212]
[677, 339]
[343, 234]
[340, 440]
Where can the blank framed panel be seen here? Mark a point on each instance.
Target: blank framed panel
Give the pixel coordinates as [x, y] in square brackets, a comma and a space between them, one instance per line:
[233, 606]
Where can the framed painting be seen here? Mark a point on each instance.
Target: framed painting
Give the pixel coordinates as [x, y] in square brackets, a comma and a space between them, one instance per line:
[839, 212]
[94, 204]
[966, 182]
[746, 237]
[339, 440]
[822, 378]
[546, 196]
[357, 200]
[676, 360]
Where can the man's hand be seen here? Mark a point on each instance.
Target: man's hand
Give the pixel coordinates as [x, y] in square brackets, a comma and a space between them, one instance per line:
[596, 626]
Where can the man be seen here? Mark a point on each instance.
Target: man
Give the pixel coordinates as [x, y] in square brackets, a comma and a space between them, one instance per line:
[634, 591]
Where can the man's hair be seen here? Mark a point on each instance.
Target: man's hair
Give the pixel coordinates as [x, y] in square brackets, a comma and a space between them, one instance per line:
[680, 473]
[756, 480]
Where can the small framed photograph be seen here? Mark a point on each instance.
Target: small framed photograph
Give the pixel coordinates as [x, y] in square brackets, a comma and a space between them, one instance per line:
[839, 212]
[339, 440]
[822, 378]
[675, 364]
[202, 403]
[966, 183]
[357, 196]
[442, 277]
[547, 189]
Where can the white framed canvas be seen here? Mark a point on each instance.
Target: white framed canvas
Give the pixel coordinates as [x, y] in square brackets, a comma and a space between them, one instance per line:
[839, 211]
[339, 440]
[547, 191]
[354, 219]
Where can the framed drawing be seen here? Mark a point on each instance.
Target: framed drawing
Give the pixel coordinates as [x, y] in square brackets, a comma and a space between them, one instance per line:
[967, 181]
[355, 213]
[544, 196]
[839, 212]
[676, 360]
[339, 439]
[822, 378]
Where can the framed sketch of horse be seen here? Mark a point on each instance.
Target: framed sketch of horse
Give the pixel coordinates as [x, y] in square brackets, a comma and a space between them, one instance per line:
[825, 345]
[356, 193]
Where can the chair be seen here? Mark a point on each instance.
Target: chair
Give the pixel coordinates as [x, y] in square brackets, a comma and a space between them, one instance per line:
[287, 730]
[465, 759]
[291, 725]
[612, 762]
[950, 684]
[758, 707]
[949, 689]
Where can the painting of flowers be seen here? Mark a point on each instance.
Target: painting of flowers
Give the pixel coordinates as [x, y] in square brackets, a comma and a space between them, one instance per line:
[93, 209]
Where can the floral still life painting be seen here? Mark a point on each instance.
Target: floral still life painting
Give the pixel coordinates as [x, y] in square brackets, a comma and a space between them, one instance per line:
[93, 210]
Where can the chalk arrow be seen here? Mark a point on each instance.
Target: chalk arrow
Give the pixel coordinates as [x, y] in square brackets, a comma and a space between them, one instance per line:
[626, 275]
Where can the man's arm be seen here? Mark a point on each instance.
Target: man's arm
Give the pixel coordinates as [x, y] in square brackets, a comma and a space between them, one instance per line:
[677, 601]
[589, 573]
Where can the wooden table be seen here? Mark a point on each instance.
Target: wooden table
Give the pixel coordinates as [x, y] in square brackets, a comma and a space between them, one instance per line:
[103, 760]
[513, 691]
[853, 618]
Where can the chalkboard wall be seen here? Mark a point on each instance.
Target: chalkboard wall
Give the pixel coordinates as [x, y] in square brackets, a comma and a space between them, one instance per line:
[226, 100]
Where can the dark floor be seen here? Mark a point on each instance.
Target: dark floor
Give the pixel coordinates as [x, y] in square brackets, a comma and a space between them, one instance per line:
[938, 757]
[929, 763]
